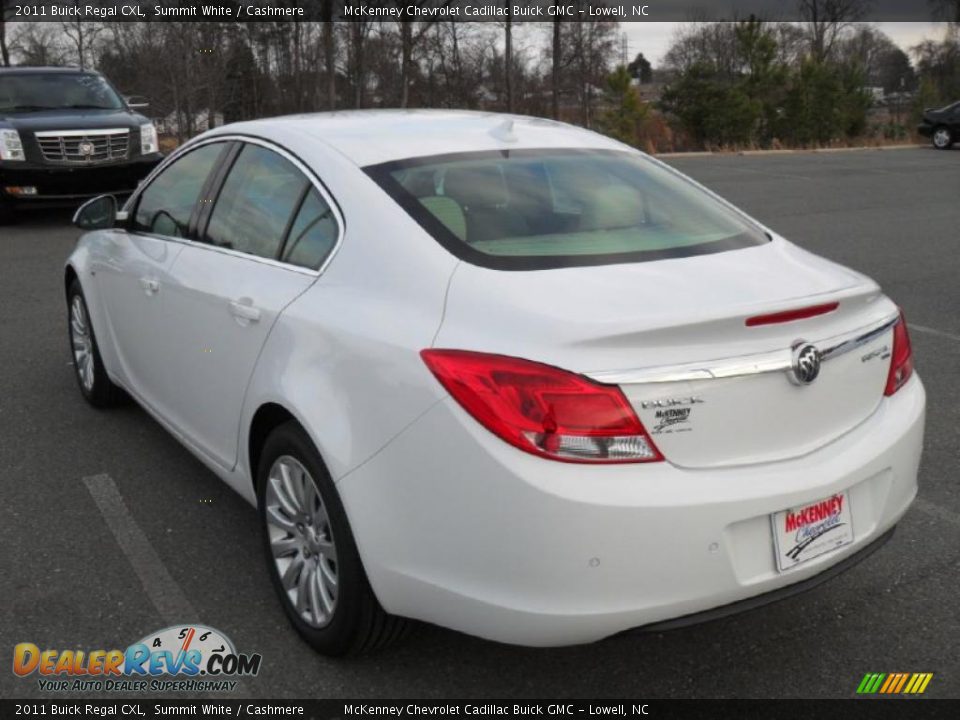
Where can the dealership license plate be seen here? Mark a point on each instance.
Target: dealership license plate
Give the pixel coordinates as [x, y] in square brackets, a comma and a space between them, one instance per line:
[808, 531]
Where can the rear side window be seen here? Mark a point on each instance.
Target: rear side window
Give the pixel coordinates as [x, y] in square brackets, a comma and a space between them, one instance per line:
[256, 203]
[168, 202]
[312, 234]
[534, 209]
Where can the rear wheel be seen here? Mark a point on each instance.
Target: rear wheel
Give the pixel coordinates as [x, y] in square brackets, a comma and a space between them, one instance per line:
[88, 367]
[942, 138]
[311, 554]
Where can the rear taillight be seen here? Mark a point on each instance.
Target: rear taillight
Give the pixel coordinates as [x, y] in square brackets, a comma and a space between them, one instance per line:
[542, 409]
[901, 359]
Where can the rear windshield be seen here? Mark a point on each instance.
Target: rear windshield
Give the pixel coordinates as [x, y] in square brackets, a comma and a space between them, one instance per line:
[534, 209]
[29, 92]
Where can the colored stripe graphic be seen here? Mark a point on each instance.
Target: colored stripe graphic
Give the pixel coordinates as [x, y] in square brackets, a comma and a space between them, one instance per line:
[894, 683]
[892, 679]
[903, 681]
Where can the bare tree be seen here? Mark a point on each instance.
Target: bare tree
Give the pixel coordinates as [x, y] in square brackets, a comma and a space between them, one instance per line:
[37, 44]
[83, 35]
[411, 33]
[356, 59]
[592, 46]
[4, 50]
[508, 55]
[948, 10]
[707, 44]
[827, 19]
[556, 60]
[329, 53]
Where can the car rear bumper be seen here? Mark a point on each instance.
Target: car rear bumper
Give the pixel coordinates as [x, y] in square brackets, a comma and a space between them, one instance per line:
[925, 130]
[458, 528]
[59, 185]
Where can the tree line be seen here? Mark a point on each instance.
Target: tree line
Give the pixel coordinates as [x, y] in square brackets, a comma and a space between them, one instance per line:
[746, 82]
[759, 83]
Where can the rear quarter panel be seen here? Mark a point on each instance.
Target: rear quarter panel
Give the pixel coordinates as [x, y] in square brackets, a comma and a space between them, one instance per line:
[344, 357]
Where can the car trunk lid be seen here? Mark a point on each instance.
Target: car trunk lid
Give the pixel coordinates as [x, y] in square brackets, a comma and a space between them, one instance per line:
[710, 389]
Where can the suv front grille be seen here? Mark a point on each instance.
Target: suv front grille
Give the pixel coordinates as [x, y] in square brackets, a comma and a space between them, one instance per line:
[84, 147]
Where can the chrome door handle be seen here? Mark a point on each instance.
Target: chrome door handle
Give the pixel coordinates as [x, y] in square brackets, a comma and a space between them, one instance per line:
[244, 311]
[149, 285]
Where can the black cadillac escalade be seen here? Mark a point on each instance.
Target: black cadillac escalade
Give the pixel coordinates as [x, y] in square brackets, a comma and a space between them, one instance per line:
[66, 134]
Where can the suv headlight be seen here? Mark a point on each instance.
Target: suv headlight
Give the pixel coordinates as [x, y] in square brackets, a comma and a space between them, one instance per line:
[10, 146]
[148, 139]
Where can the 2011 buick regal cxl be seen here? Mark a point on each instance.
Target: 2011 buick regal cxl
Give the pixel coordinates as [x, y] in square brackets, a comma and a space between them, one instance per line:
[498, 373]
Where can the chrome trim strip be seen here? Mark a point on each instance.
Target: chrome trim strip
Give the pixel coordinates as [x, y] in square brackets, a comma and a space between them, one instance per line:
[862, 339]
[79, 133]
[773, 361]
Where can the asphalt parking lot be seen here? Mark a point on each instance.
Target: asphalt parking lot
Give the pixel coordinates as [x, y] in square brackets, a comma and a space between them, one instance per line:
[66, 583]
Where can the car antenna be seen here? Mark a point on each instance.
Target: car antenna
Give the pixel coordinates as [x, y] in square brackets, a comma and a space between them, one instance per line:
[504, 131]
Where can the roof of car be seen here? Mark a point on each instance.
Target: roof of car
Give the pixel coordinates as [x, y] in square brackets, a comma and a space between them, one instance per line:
[369, 137]
[34, 70]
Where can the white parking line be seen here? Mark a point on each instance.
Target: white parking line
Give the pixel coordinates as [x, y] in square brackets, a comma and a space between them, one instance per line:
[934, 331]
[936, 511]
[158, 584]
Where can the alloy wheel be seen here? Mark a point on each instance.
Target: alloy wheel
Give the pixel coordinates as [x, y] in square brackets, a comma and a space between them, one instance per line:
[301, 541]
[941, 138]
[82, 342]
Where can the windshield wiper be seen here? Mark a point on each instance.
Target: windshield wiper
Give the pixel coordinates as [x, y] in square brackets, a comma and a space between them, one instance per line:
[88, 107]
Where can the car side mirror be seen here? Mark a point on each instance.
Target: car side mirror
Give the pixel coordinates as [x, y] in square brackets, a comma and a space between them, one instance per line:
[97, 214]
[137, 102]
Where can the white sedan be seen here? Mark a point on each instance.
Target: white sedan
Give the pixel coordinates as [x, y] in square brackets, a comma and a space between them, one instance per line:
[498, 373]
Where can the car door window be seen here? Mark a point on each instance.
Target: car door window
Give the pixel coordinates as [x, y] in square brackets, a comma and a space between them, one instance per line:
[256, 203]
[312, 234]
[166, 205]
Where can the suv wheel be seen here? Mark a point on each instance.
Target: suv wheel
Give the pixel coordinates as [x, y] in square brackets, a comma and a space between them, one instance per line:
[8, 215]
[942, 138]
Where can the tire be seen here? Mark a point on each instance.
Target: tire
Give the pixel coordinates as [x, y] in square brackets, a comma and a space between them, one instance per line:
[942, 138]
[8, 214]
[336, 619]
[95, 385]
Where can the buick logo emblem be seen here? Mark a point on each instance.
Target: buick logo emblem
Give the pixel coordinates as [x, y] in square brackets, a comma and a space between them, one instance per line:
[86, 148]
[806, 364]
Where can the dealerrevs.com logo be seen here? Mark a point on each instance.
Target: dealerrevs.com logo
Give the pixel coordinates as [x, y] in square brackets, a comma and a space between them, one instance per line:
[181, 658]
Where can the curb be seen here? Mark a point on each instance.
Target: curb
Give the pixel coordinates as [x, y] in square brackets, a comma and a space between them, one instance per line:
[789, 151]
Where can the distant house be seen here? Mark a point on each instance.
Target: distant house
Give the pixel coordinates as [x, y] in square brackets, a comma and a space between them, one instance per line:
[176, 123]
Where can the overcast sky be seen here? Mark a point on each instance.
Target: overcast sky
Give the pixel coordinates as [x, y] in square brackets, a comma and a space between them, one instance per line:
[653, 39]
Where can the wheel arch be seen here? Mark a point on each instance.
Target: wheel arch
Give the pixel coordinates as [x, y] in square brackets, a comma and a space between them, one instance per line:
[69, 275]
[267, 418]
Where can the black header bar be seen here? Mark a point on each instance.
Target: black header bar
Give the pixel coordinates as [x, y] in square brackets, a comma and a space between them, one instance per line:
[454, 10]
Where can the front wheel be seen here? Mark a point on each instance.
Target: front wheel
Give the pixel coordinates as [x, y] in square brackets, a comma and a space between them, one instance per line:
[95, 385]
[8, 215]
[942, 138]
[311, 554]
